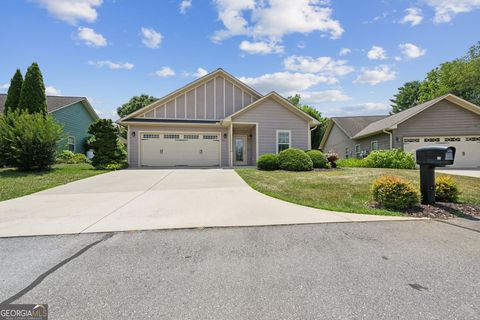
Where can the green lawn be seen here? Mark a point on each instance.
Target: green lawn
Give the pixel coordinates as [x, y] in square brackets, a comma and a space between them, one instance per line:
[344, 189]
[14, 184]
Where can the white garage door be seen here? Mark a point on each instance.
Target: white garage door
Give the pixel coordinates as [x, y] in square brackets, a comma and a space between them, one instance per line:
[467, 153]
[168, 149]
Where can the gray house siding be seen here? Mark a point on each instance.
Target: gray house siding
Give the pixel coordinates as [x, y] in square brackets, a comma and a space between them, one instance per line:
[271, 117]
[133, 143]
[211, 100]
[441, 119]
[383, 140]
[338, 142]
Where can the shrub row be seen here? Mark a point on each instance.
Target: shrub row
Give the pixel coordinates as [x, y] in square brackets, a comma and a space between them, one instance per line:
[293, 159]
[69, 157]
[393, 159]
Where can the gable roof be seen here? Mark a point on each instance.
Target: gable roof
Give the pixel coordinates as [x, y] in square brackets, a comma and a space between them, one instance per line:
[188, 87]
[394, 120]
[55, 103]
[282, 101]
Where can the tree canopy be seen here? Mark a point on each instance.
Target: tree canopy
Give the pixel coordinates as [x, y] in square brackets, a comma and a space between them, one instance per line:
[134, 104]
[408, 96]
[13, 94]
[32, 95]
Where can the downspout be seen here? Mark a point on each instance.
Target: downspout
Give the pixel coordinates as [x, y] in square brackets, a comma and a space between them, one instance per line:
[391, 138]
[310, 138]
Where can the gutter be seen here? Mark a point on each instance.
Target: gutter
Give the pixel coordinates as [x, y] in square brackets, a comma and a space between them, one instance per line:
[391, 137]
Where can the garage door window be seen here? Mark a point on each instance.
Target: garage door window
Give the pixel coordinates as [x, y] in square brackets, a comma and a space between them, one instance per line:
[190, 136]
[171, 136]
[210, 137]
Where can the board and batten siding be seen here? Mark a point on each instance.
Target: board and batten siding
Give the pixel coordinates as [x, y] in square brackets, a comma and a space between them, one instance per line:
[271, 116]
[338, 142]
[133, 143]
[212, 100]
[441, 119]
[75, 120]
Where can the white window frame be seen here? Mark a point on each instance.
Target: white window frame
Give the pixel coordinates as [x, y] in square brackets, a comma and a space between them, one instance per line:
[289, 138]
[68, 143]
[371, 145]
[358, 150]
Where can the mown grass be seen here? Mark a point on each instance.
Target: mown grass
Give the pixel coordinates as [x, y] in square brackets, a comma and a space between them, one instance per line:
[343, 189]
[14, 183]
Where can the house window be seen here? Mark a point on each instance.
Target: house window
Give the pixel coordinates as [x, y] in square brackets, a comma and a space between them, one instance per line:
[347, 153]
[283, 140]
[374, 145]
[358, 151]
[71, 143]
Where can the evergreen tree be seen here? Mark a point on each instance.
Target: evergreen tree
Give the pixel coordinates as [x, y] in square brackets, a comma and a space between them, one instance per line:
[408, 96]
[13, 94]
[32, 96]
[106, 147]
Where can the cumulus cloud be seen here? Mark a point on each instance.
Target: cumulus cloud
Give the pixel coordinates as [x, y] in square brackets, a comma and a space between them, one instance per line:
[286, 82]
[72, 11]
[326, 66]
[411, 51]
[165, 72]
[376, 75]
[344, 52]
[52, 91]
[111, 65]
[151, 38]
[413, 16]
[185, 5]
[367, 108]
[446, 10]
[91, 38]
[377, 53]
[273, 19]
[315, 97]
[4, 86]
[200, 72]
[260, 47]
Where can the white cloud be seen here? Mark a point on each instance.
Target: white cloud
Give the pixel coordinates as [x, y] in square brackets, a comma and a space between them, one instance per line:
[446, 10]
[112, 65]
[4, 85]
[91, 38]
[326, 66]
[200, 72]
[315, 97]
[413, 16]
[185, 5]
[260, 47]
[367, 108]
[272, 19]
[52, 91]
[411, 51]
[165, 72]
[376, 75]
[72, 11]
[377, 53]
[286, 82]
[151, 38]
[344, 52]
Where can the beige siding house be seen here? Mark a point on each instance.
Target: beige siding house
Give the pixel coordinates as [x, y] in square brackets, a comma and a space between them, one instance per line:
[447, 120]
[214, 121]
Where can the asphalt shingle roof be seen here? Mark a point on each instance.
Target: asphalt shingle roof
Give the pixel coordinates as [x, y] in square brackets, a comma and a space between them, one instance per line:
[53, 102]
[352, 125]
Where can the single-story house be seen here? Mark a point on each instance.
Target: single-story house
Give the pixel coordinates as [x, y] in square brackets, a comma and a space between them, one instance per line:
[216, 120]
[446, 120]
[75, 114]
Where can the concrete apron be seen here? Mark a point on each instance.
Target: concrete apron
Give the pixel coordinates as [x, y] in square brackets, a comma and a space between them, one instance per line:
[131, 200]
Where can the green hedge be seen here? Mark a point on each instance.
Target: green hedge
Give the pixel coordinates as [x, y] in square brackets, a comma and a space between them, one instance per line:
[268, 161]
[319, 159]
[390, 159]
[294, 160]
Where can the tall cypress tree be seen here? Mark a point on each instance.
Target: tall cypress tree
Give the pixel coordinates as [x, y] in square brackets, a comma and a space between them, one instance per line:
[13, 94]
[32, 96]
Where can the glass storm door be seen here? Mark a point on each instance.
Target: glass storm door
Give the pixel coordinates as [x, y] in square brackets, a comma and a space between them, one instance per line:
[240, 150]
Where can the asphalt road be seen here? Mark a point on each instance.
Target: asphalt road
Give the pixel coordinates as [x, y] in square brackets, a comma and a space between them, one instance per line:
[376, 270]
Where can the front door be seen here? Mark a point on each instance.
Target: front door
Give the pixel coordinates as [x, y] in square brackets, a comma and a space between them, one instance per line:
[240, 150]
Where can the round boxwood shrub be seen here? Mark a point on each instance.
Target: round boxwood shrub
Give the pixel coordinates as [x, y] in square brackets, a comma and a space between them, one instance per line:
[293, 159]
[318, 158]
[267, 161]
[395, 193]
[446, 189]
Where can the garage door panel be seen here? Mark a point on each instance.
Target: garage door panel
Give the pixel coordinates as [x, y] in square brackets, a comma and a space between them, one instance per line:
[180, 149]
[467, 148]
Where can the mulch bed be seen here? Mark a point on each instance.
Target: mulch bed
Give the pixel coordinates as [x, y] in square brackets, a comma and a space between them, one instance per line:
[443, 210]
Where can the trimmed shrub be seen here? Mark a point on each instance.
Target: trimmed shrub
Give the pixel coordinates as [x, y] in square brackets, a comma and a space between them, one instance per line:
[268, 161]
[393, 159]
[69, 157]
[28, 141]
[108, 150]
[395, 193]
[115, 166]
[446, 189]
[293, 159]
[351, 163]
[319, 160]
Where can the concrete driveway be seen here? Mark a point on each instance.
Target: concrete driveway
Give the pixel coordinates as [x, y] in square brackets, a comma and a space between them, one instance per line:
[155, 199]
[466, 172]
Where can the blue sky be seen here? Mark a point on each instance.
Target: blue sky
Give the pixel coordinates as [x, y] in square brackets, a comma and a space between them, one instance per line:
[343, 57]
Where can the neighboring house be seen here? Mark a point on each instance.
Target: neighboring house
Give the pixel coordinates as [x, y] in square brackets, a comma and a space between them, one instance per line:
[216, 120]
[447, 120]
[74, 113]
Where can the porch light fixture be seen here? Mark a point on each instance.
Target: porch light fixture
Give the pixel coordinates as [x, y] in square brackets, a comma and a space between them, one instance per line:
[224, 136]
[133, 134]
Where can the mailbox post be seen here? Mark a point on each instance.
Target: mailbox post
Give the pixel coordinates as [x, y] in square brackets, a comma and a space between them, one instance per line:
[429, 158]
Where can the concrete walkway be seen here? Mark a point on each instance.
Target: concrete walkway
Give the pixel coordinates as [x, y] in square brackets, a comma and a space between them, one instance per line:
[468, 173]
[156, 199]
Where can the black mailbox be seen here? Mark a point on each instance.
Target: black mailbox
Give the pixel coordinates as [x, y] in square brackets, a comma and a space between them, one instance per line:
[438, 156]
[428, 158]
